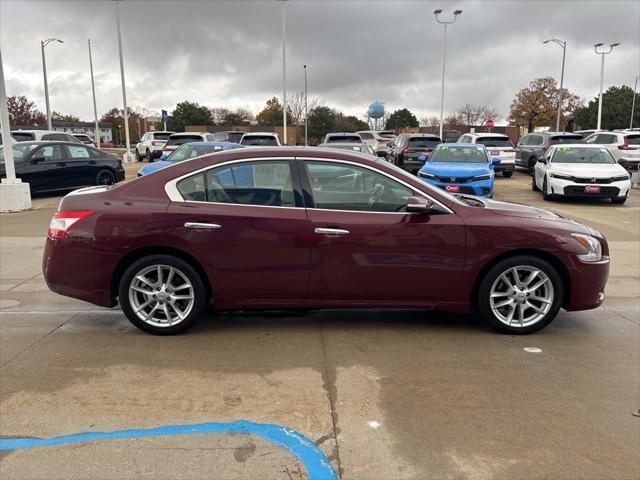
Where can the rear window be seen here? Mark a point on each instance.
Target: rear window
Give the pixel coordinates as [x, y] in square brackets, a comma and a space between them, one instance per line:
[23, 136]
[495, 141]
[566, 139]
[423, 142]
[345, 138]
[633, 139]
[184, 139]
[387, 134]
[235, 137]
[161, 136]
[263, 140]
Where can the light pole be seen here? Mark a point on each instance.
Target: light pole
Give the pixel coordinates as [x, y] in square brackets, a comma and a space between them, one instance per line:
[563, 44]
[444, 52]
[128, 156]
[93, 91]
[633, 103]
[306, 113]
[602, 53]
[284, 69]
[44, 43]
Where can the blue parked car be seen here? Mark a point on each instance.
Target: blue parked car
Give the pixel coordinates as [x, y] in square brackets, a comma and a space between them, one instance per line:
[187, 151]
[460, 168]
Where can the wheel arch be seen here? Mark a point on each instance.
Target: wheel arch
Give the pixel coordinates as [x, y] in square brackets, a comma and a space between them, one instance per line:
[541, 254]
[142, 252]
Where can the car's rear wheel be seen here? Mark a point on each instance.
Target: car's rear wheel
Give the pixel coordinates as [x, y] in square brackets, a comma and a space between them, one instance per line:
[507, 174]
[105, 177]
[162, 294]
[149, 157]
[520, 295]
[619, 200]
[138, 157]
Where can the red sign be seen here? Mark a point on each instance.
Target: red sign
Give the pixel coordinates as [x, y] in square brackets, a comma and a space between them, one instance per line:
[489, 123]
[592, 189]
[452, 188]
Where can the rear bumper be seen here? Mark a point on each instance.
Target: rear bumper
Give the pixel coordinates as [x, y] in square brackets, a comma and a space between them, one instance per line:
[77, 273]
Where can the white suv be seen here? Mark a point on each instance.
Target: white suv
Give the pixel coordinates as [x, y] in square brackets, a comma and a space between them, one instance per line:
[498, 145]
[260, 139]
[151, 145]
[379, 140]
[43, 136]
[623, 145]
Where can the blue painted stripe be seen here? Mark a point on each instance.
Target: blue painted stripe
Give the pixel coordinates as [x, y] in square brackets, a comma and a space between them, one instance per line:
[315, 462]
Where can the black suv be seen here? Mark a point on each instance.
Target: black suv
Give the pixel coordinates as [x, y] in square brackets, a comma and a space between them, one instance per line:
[533, 146]
[405, 150]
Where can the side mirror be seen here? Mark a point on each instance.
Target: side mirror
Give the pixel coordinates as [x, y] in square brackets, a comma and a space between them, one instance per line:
[38, 159]
[422, 158]
[419, 205]
[495, 160]
[543, 160]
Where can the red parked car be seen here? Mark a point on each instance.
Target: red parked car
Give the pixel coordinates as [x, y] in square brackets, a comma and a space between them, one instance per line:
[312, 228]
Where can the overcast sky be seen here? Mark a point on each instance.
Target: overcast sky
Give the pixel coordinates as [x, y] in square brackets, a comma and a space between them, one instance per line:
[228, 53]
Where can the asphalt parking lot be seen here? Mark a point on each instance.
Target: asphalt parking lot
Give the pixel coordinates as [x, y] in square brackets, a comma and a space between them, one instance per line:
[382, 395]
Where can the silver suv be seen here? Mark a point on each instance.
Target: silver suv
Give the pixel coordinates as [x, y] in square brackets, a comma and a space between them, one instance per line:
[623, 145]
[379, 140]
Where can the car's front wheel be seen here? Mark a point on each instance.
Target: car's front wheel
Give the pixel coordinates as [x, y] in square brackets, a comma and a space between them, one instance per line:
[162, 294]
[507, 173]
[520, 295]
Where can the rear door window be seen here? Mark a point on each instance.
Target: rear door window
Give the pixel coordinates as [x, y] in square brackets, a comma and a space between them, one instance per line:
[77, 152]
[50, 153]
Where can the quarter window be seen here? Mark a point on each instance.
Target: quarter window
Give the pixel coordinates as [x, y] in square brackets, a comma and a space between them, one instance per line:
[77, 152]
[338, 186]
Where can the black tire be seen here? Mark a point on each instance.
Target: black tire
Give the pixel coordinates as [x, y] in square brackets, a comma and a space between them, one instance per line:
[531, 164]
[138, 157]
[507, 173]
[105, 177]
[149, 157]
[619, 200]
[200, 297]
[534, 187]
[484, 291]
[545, 195]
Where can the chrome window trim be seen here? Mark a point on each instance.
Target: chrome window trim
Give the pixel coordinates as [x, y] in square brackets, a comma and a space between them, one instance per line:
[411, 187]
[171, 188]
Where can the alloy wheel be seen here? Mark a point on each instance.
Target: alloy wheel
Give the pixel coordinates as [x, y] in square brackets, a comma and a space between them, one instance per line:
[161, 295]
[521, 296]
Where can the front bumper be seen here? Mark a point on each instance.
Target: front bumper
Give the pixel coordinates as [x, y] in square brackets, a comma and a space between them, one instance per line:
[120, 174]
[588, 281]
[569, 188]
[481, 188]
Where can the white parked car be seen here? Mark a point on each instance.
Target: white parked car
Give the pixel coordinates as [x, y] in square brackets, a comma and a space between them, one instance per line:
[260, 139]
[498, 145]
[623, 145]
[151, 145]
[43, 136]
[578, 170]
[177, 139]
[379, 140]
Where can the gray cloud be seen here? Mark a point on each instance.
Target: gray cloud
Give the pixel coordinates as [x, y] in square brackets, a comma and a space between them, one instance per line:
[227, 53]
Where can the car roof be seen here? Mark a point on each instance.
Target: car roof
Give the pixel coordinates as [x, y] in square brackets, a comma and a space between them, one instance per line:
[429, 135]
[487, 134]
[557, 134]
[181, 134]
[474, 145]
[342, 134]
[213, 144]
[576, 145]
[261, 133]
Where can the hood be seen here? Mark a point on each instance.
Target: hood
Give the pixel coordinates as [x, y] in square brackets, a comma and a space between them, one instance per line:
[154, 167]
[525, 211]
[456, 169]
[588, 169]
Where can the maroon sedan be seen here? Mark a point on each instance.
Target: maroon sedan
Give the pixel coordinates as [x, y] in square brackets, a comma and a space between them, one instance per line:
[313, 228]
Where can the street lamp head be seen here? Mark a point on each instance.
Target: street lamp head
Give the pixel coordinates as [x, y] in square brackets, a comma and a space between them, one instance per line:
[598, 44]
[546, 41]
[457, 12]
[614, 45]
[437, 12]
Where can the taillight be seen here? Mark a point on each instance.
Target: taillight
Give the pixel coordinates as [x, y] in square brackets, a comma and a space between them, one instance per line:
[510, 150]
[62, 221]
[405, 150]
[624, 146]
[153, 144]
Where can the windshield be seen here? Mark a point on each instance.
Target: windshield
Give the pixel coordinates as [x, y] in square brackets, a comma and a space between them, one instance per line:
[424, 142]
[19, 152]
[495, 141]
[387, 134]
[566, 139]
[235, 137]
[444, 153]
[581, 155]
[264, 140]
[164, 136]
[184, 139]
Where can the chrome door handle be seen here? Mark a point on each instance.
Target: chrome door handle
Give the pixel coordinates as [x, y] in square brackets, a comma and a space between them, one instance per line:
[201, 226]
[332, 232]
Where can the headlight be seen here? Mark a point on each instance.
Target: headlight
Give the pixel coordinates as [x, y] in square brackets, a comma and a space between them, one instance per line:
[561, 176]
[426, 175]
[620, 178]
[487, 176]
[592, 246]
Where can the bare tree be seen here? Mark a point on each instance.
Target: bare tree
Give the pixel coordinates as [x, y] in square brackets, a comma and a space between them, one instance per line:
[475, 115]
[452, 120]
[295, 104]
[219, 114]
[430, 121]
